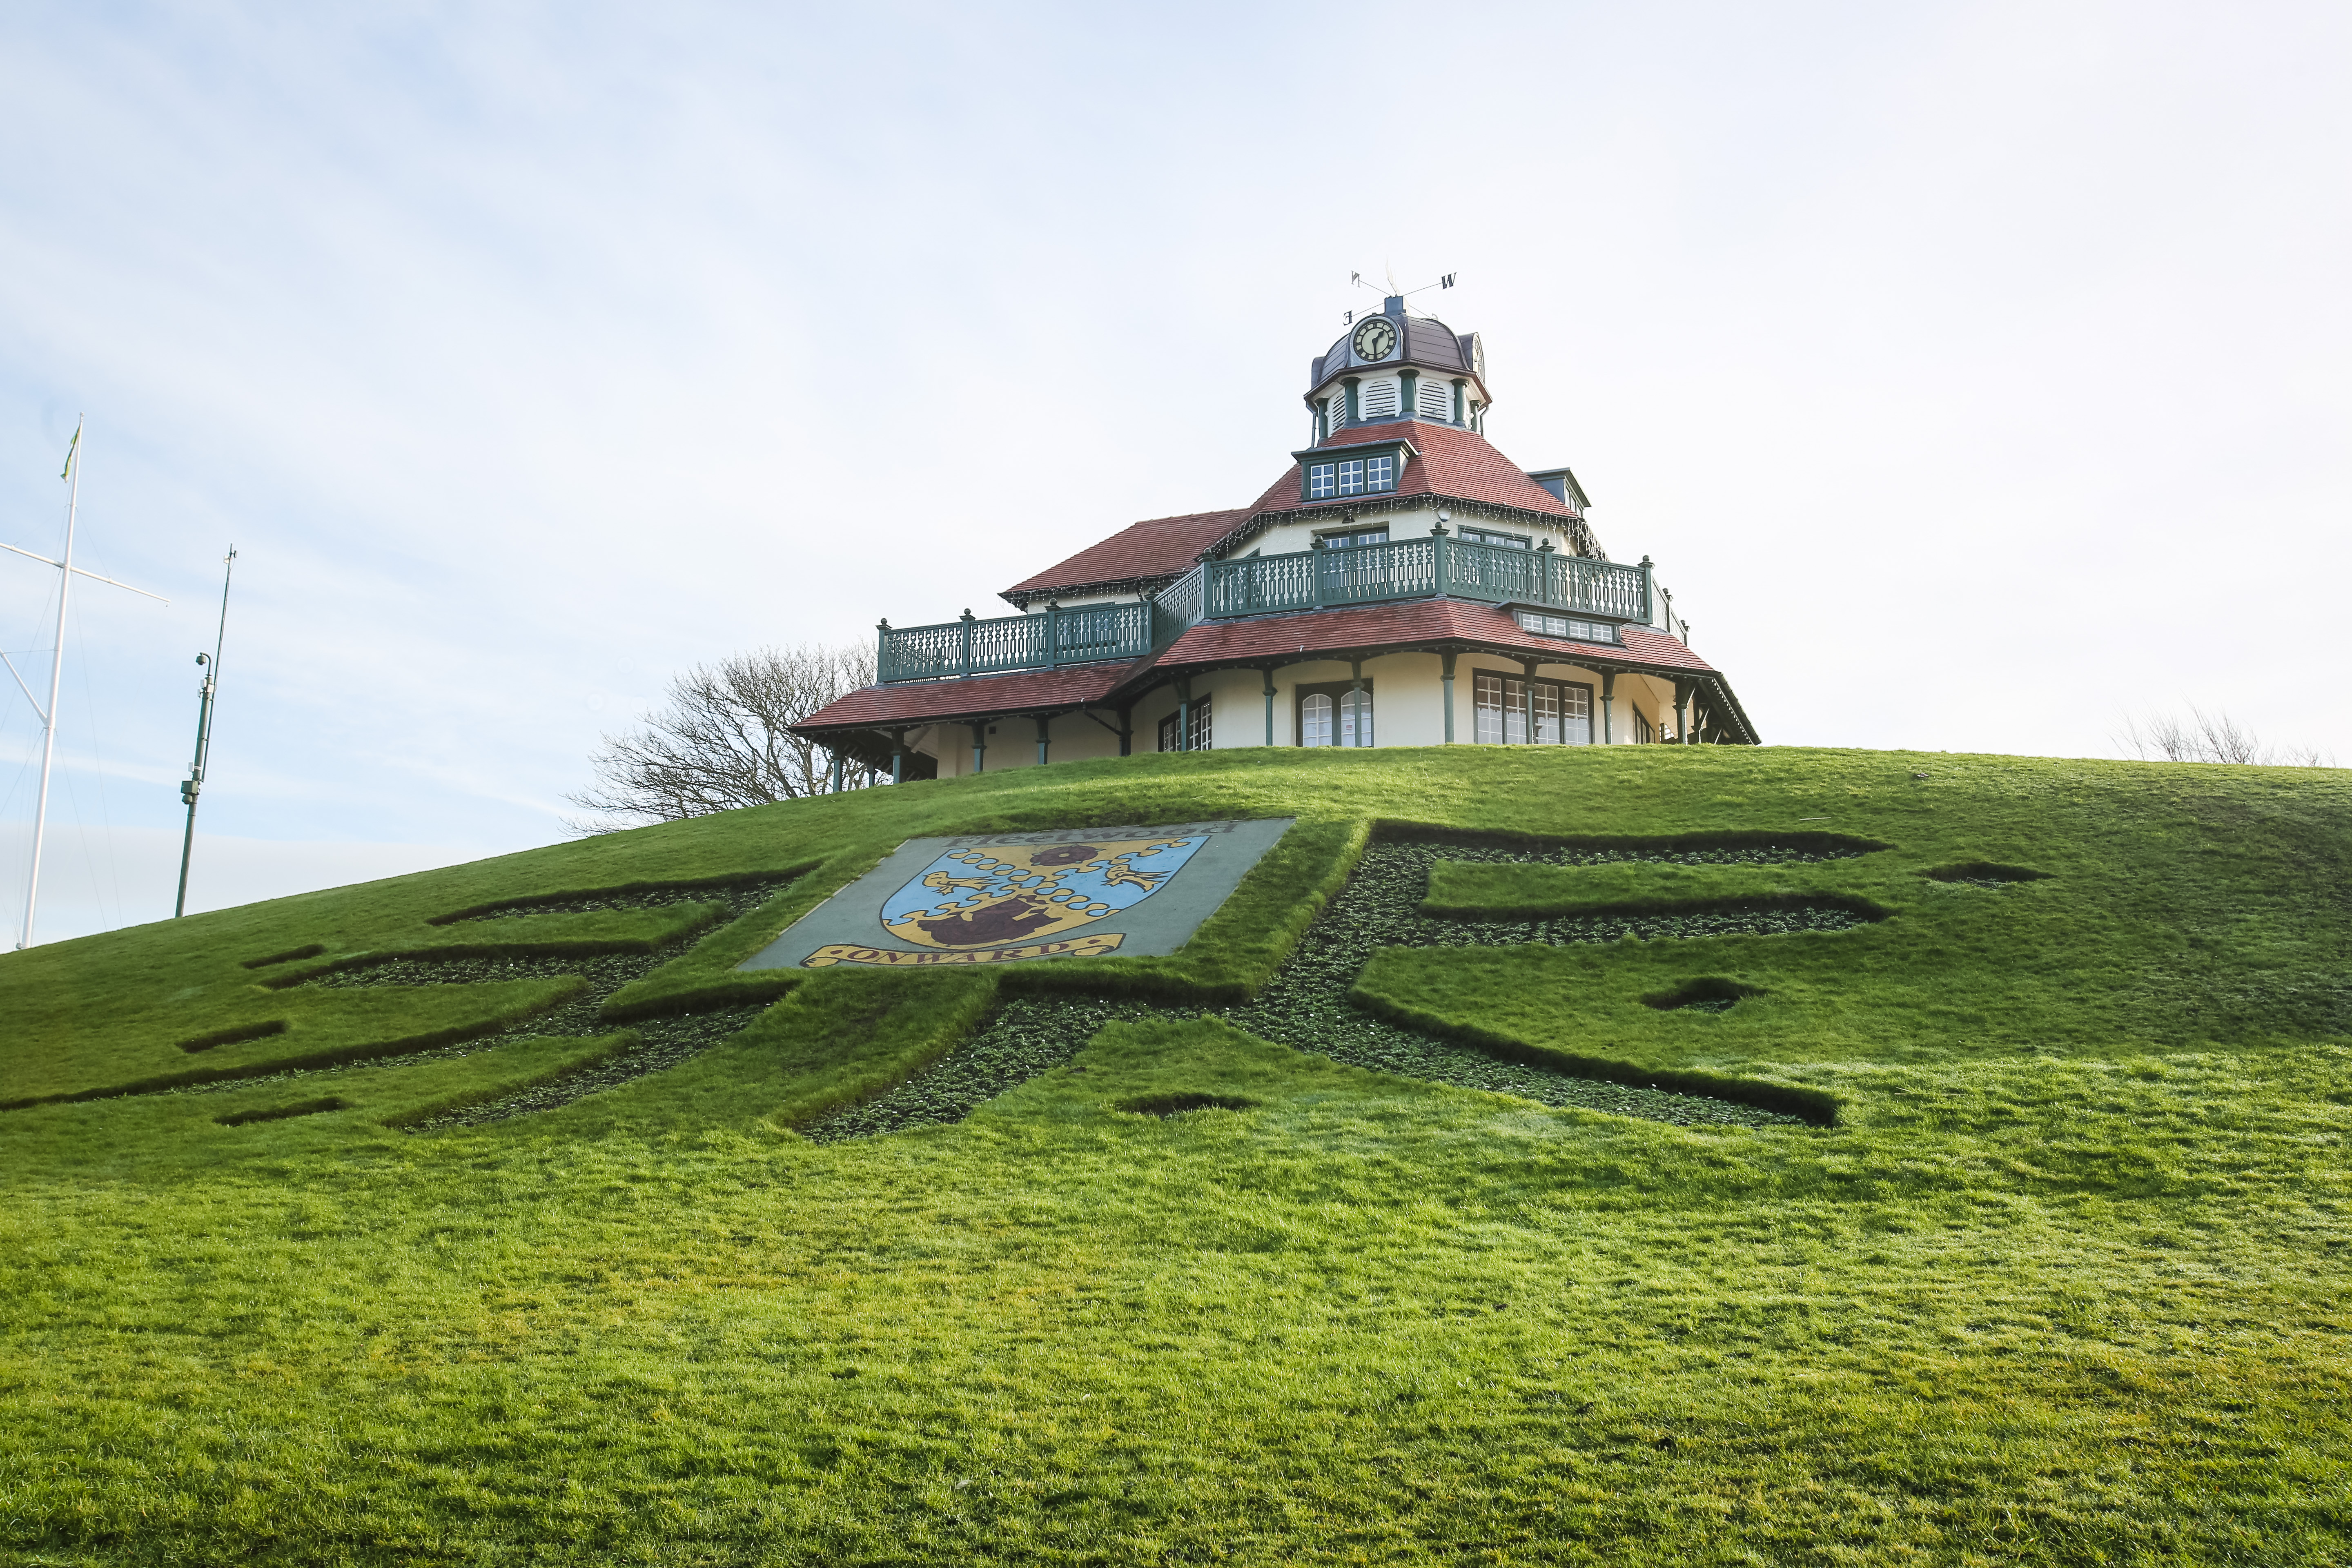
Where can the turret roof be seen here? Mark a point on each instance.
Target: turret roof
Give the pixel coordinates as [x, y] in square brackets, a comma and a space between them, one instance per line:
[1429, 345]
[1452, 464]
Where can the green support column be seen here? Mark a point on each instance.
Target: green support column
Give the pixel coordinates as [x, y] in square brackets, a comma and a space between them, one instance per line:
[1268, 673]
[1447, 679]
[979, 746]
[1184, 714]
[1043, 720]
[1126, 731]
[1528, 697]
[897, 756]
[836, 773]
[1608, 706]
[1355, 683]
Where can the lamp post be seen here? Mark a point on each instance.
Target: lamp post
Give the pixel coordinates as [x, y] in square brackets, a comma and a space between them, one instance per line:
[194, 785]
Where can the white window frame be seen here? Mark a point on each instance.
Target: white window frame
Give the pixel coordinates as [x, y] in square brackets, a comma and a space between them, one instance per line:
[1496, 539]
[1568, 626]
[1559, 705]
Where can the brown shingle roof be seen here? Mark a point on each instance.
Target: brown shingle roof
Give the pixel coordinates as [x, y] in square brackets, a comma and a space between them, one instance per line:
[1453, 462]
[1159, 547]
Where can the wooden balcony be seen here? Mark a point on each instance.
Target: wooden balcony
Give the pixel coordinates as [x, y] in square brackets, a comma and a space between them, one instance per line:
[1306, 579]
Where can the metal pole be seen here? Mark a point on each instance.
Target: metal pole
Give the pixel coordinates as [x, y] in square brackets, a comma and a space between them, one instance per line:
[57, 670]
[196, 784]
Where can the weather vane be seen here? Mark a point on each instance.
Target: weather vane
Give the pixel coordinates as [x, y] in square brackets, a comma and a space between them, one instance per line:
[1356, 281]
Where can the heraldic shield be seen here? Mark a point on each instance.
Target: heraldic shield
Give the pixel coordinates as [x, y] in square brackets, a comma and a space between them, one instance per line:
[993, 894]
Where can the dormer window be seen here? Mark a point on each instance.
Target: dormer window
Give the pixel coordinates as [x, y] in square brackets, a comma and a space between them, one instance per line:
[1351, 477]
[1488, 536]
[1342, 473]
[1569, 626]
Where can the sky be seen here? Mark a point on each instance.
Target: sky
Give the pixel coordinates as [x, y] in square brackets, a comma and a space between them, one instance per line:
[1979, 376]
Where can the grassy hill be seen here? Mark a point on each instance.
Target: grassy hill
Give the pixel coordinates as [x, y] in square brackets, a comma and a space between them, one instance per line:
[1643, 1155]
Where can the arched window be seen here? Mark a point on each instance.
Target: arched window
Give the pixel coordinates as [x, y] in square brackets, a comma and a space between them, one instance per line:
[1335, 713]
[1315, 720]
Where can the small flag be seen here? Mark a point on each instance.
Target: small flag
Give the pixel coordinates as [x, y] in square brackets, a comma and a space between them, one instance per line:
[71, 447]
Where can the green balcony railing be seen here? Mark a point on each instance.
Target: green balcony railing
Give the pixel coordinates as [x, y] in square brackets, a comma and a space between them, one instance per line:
[1268, 584]
[1417, 568]
[1044, 641]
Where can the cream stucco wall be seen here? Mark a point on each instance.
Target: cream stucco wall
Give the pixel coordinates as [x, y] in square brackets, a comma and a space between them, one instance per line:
[1013, 743]
[1408, 709]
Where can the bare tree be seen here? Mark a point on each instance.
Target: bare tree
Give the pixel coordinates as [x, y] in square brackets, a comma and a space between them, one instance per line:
[2205, 737]
[721, 740]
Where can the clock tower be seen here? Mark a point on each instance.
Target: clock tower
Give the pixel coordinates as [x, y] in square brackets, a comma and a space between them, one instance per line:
[1397, 366]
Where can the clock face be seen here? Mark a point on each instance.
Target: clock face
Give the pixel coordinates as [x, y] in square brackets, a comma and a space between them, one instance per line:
[1375, 339]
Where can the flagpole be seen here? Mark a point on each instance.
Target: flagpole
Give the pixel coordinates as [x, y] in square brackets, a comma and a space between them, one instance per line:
[196, 784]
[72, 476]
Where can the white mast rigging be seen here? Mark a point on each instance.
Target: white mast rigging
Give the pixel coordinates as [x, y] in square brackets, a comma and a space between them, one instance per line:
[66, 573]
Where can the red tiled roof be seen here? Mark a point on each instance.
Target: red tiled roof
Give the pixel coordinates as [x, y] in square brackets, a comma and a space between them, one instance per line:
[1453, 462]
[1364, 627]
[1159, 547]
[981, 697]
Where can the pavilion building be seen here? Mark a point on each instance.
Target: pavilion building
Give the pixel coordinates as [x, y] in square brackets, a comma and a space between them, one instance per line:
[1403, 583]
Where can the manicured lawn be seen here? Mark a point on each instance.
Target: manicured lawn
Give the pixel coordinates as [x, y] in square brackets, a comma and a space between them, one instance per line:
[2064, 1282]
